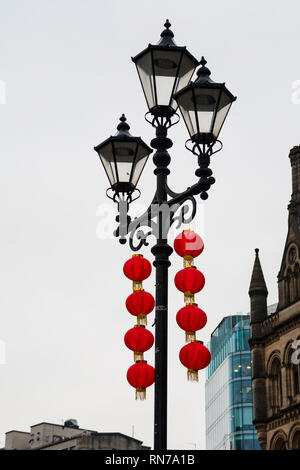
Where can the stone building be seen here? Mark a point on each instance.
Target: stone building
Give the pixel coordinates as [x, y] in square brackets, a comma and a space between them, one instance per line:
[48, 436]
[275, 338]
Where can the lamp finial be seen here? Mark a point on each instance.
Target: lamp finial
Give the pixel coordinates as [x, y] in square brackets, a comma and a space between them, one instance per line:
[167, 35]
[123, 126]
[167, 24]
[203, 69]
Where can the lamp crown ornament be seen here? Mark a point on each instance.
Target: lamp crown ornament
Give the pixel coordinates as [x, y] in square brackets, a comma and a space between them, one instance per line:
[123, 127]
[167, 36]
[203, 72]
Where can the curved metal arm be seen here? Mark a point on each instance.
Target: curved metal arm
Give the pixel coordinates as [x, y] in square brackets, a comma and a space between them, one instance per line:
[183, 217]
[159, 217]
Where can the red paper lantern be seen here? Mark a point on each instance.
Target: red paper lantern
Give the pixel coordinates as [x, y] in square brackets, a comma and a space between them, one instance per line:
[139, 340]
[137, 269]
[188, 244]
[141, 376]
[191, 319]
[190, 281]
[194, 356]
[140, 304]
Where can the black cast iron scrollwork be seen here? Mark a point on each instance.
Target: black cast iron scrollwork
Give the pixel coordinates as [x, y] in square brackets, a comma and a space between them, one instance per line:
[163, 212]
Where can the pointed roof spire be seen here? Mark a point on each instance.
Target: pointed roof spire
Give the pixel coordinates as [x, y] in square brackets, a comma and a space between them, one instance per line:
[257, 284]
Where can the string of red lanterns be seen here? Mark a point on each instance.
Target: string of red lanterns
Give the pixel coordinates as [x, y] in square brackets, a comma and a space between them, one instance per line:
[138, 339]
[194, 355]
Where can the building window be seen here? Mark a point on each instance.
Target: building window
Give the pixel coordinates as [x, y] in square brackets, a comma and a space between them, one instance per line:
[295, 372]
[287, 287]
[241, 392]
[293, 377]
[296, 280]
[280, 445]
[276, 385]
[245, 442]
[296, 441]
[242, 419]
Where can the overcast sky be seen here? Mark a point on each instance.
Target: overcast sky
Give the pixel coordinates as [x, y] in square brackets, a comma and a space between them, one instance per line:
[67, 68]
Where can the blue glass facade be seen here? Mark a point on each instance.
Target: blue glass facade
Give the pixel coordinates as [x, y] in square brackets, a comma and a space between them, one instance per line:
[228, 388]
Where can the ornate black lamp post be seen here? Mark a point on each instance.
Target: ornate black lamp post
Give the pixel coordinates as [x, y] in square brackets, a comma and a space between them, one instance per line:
[165, 71]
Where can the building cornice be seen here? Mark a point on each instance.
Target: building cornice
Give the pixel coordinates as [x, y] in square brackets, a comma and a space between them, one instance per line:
[276, 328]
[284, 416]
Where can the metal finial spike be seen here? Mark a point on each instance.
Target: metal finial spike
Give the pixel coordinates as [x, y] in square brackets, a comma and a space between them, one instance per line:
[256, 251]
[167, 33]
[123, 126]
[203, 70]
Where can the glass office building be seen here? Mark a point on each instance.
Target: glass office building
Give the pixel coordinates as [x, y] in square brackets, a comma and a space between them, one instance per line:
[228, 387]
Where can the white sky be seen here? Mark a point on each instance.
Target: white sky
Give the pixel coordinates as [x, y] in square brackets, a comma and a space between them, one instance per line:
[69, 76]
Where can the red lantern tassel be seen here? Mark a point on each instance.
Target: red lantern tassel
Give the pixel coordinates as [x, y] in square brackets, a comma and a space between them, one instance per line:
[190, 336]
[138, 356]
[188, 261]
[137, 285]
[140, 394]
[142, 320]
[189, 297]
[192, 375]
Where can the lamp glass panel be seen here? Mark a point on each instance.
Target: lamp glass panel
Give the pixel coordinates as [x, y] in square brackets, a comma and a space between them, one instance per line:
[186, 71]
[106, 156]
[125, 154]
[187, 109]
[224, 106]
[206, 101]
[141, 159]
[165, 69]
[145, 71]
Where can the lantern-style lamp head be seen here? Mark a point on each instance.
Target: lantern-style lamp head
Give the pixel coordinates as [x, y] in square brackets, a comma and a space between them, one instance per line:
[123, 157]
[204, 106]
[164, 69]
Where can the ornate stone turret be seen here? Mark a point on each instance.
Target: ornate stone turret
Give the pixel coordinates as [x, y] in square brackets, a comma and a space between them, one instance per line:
[258, 293]
[294, 156]
[289, 273]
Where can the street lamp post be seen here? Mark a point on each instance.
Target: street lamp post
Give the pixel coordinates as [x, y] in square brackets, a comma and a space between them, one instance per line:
[165, 71]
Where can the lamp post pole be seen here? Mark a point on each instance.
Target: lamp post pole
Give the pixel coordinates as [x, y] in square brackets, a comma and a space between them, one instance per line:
[165, 72]
[161, 250]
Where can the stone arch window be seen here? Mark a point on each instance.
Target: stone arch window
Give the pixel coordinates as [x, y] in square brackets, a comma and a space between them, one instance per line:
[275, 384]
[295, 374]
[292, 373]
[287, 286]
[296, 378]
[297, 281]
[291, 285]
[295, 439]
[280, 444]
[279, 441]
